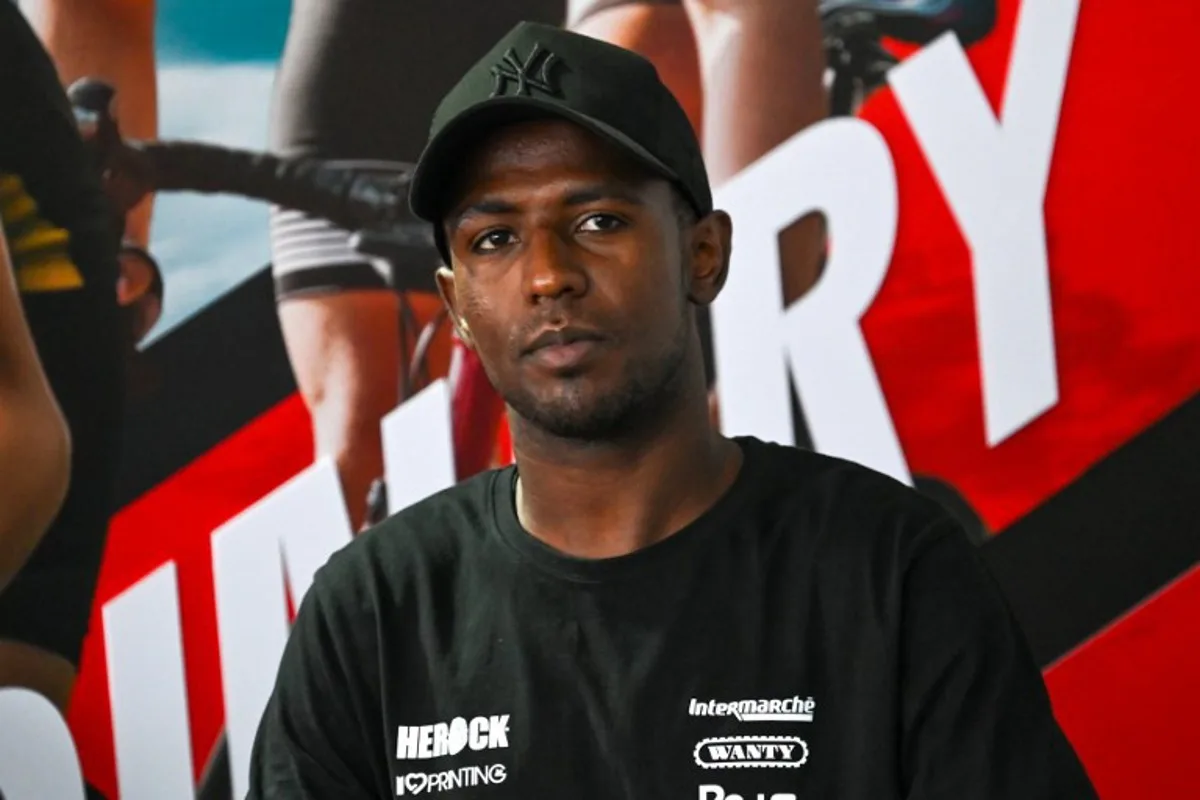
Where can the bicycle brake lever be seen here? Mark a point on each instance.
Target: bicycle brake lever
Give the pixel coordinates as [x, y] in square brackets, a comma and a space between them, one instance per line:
[92, 103]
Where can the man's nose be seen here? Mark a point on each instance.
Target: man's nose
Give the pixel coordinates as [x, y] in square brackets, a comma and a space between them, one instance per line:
[552, 268]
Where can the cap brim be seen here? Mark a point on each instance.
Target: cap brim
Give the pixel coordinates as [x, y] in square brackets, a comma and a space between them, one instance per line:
[443, 152]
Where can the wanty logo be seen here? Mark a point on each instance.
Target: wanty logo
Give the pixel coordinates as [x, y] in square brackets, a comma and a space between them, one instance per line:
[726, 752]
[462, 778]
[451, 738]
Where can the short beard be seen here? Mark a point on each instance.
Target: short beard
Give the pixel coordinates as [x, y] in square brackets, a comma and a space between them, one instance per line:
[639, 404]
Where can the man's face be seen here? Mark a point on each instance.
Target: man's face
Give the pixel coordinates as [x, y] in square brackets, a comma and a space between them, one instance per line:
[572, 273]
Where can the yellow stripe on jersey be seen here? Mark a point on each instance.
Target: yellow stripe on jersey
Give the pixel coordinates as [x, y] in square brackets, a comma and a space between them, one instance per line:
[10, 186]
[17, 207]
[58, 275]
[39, 250]
[40, 238]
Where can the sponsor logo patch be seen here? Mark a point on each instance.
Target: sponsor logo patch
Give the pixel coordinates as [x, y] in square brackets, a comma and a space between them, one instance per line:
[792, 709]
[414, 742]
[734, 752]
[712, 792]
[415, 783]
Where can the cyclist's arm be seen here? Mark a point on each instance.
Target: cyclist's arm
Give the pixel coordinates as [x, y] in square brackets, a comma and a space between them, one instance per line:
[112, 40]
[35, 447]
[346, 196]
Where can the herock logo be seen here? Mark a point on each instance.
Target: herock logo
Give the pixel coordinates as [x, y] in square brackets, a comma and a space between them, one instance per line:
[727, 752]
[450, 739]
[794, 709]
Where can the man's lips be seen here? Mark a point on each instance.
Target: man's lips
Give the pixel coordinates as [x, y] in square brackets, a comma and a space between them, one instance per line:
[562, 348]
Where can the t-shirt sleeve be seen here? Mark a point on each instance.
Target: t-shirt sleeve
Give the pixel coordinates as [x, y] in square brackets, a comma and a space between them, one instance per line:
[977, 721]
[312, 742]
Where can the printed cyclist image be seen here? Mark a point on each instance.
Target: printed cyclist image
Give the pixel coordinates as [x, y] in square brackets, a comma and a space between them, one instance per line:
[352, 322]
[345, 316]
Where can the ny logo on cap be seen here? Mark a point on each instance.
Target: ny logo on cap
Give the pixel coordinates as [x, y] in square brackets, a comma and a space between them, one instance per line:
[521, 73]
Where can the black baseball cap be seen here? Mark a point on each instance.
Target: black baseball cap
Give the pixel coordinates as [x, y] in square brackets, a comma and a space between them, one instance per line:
[540, 71]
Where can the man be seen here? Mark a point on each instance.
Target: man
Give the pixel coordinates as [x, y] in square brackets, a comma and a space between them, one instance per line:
[639, 608]
[63, 238]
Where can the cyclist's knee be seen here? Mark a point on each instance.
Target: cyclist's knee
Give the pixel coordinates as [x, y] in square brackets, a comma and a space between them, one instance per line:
[352, 438]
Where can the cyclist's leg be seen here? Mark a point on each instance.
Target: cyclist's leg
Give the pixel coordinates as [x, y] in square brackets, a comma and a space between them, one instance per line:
[477, 412]
[345, 351]
[339, 316]
[762, 65]
[112, 40]
[656, 29]
[339, 319]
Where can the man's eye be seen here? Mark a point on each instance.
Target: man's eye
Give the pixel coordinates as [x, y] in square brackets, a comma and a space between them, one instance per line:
[492, 240]
[601, 222]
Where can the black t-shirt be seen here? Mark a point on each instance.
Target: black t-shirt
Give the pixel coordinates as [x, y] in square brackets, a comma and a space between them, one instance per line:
[821, 632]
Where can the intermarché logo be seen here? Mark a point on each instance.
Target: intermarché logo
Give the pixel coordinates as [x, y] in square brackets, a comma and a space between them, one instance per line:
[793, 709]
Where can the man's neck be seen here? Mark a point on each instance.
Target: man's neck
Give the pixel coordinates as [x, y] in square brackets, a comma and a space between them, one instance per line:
[599, 500]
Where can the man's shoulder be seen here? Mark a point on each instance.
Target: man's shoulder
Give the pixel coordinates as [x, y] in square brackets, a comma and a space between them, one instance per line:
[828, 479]
[842, 501]
[436, 533]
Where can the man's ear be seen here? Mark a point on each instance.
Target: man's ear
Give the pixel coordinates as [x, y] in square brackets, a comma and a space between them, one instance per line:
[449, 293]
[711, 245]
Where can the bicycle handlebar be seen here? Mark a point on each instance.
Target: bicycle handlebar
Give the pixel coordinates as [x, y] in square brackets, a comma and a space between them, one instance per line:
[369, 197]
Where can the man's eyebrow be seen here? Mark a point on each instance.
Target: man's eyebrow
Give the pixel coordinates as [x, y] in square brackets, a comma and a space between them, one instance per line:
[604, 191]
[484, 206]
[579, 197]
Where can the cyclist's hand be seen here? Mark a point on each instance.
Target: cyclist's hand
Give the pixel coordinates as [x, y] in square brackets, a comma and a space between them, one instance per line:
[378, 197]
[128, 174]
[126, 170]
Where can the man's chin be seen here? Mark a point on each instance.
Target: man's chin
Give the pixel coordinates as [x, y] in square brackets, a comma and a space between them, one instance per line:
[565, 418]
